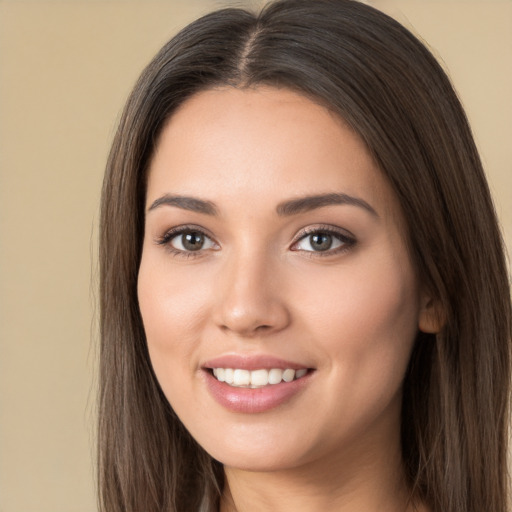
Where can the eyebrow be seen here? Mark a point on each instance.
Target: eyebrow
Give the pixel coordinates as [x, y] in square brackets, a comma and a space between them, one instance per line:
[307, 203]
[284, 209]
[185, 203]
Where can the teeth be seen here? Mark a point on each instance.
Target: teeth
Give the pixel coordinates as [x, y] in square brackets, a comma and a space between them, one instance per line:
[288, 375]
[241, 378]
[275, 376]
[257, 378]
[228, 375]
[300, 373]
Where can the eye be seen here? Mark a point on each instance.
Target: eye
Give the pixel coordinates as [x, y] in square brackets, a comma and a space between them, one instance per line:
[191, 241]
[323, 241]
[187, 240]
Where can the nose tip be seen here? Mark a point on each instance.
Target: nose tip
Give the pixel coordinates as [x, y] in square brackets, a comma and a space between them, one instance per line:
[251, 303]
[253, 320]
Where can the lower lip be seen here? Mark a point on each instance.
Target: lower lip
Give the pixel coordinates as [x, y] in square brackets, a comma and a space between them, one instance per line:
[254, 400]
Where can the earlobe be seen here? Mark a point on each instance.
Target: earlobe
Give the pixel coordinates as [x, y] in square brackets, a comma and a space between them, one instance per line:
[432, 317]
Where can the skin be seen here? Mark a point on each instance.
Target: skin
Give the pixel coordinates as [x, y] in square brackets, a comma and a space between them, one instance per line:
[257, 286]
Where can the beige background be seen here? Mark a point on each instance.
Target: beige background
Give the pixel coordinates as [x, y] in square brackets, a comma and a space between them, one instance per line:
[66, 68]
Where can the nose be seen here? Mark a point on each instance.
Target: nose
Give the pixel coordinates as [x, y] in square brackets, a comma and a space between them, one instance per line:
[250, 302]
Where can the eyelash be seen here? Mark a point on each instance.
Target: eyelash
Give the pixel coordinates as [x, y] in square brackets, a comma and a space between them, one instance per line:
[168, 236]
[348, 241]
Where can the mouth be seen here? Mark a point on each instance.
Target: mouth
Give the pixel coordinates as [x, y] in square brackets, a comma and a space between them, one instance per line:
[255, 383]
[260, 378]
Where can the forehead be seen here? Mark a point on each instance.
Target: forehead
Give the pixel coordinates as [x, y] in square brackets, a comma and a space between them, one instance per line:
[263, 143]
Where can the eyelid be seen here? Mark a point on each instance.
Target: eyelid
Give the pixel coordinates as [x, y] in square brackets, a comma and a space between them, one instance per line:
[173, 232]
[348, 239]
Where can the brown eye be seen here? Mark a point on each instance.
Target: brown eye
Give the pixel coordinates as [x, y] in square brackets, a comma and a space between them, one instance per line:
[320, 241]
[326, 241]
[191, 241]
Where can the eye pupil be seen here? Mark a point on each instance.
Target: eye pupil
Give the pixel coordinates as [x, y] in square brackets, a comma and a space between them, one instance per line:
[320, 241]
[193, 241]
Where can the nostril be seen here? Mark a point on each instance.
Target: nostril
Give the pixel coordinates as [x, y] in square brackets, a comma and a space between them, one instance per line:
[249, 317]
[263, 328]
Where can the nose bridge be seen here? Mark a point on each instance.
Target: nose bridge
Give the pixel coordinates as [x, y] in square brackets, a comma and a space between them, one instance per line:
[250, 302]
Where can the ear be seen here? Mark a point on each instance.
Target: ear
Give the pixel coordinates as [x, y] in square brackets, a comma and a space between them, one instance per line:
[432, 317]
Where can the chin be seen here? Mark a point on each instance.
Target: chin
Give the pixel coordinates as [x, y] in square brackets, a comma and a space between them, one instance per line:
[260, 449]
[258, 462]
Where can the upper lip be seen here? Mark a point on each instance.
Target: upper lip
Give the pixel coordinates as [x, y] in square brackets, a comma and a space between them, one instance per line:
[252, 362]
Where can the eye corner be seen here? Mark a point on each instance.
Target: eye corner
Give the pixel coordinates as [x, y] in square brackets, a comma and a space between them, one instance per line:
[170, 240]
[335, 241]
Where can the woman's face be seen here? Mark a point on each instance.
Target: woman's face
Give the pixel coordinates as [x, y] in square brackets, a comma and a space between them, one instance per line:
[274, 259]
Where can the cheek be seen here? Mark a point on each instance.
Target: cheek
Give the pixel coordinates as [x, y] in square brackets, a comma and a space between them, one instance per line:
[365, 315]
[363, 322]
[172, 306]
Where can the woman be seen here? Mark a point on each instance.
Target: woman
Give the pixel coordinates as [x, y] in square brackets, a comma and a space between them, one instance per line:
[303, 288]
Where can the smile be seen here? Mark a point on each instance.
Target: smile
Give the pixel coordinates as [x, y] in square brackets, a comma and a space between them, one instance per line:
[255, 383]
[241, 378]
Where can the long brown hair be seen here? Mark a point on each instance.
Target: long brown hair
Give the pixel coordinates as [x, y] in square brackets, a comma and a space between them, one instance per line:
[385, 84]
